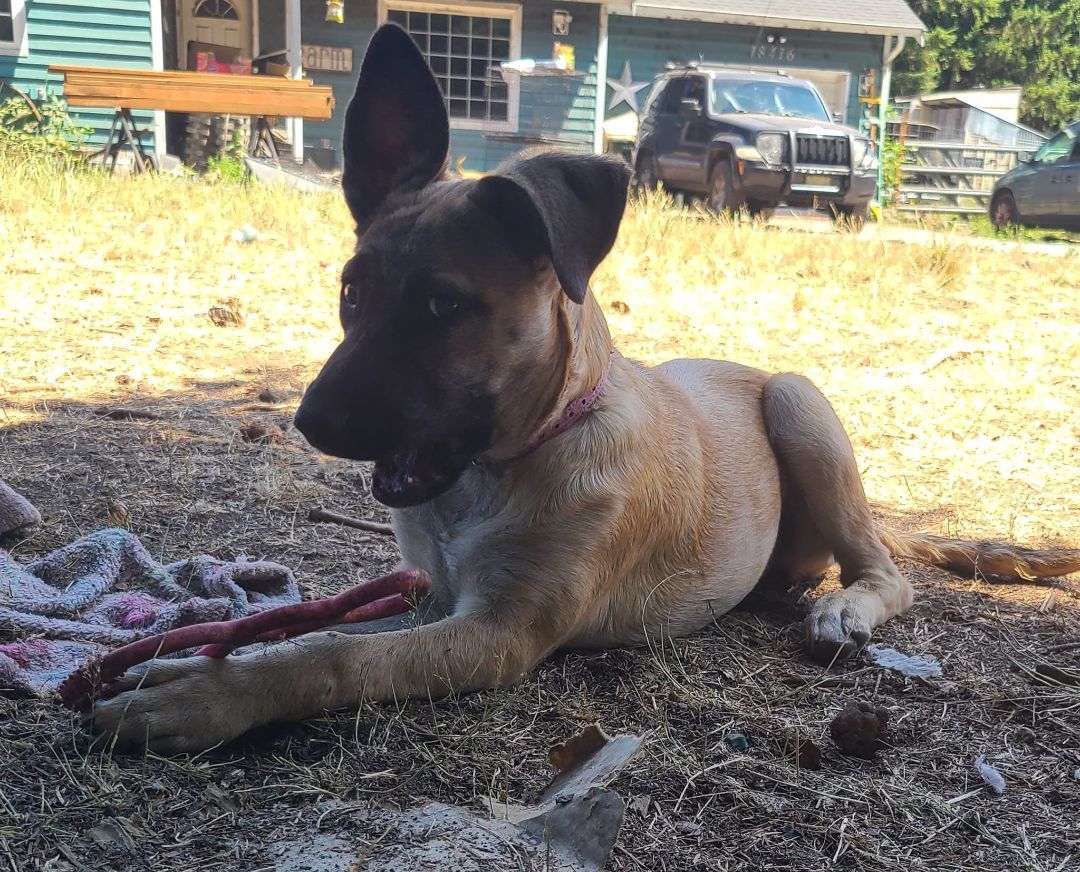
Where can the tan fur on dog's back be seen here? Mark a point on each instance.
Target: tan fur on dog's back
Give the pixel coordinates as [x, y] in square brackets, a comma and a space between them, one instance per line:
[968, 559]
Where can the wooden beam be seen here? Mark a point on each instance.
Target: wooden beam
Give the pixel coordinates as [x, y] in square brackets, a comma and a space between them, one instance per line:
[221, 79]
[174, 91]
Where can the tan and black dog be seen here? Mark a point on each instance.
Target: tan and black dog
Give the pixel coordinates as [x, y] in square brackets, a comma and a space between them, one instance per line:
[469, 329]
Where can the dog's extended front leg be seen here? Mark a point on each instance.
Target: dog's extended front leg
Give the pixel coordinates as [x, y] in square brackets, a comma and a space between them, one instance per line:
[192, 704]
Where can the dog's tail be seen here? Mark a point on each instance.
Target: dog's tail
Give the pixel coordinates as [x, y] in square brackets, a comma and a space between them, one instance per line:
[992, 560]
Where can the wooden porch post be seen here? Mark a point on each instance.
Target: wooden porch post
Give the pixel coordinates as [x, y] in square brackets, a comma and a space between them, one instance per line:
[296, 71]
[601, 80]
[157, 62]
[891, 51]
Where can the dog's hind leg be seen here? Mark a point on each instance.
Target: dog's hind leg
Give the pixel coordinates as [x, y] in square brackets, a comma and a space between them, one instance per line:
[820, 472]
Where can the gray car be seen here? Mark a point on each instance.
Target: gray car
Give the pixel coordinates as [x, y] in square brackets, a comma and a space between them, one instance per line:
[1043, 190]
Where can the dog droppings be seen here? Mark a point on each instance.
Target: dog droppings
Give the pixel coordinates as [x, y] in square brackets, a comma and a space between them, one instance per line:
[801, 751]
[261, 434]
[859, 730]
[911, 665]
[993, 778]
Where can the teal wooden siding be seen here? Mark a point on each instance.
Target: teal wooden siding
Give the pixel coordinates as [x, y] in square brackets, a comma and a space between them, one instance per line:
[649, 43]
[93, 33]
[559, 110]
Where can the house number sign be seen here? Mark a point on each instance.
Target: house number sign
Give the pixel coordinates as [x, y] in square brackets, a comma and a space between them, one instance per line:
[772, 52]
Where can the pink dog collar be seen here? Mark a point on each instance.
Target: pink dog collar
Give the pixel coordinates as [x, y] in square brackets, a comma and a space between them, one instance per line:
[574, 412]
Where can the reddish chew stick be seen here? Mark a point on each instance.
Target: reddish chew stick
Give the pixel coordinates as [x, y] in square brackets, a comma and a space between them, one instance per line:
[385, 607]
[378, 598]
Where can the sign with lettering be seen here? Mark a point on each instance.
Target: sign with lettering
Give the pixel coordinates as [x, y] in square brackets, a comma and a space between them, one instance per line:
[772, 52]
[331, 58]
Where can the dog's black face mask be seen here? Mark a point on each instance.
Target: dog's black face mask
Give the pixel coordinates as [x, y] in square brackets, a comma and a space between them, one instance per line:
[456, 341]
[410, 387]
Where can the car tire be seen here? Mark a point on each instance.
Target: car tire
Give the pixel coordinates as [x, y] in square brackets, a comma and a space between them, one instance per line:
[646, 173]
[852, 218]
[1003, 212]
[722, 198]
[763, 211]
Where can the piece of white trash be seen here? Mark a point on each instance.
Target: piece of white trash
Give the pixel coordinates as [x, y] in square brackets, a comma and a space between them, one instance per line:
[990, 775]
[911, 665]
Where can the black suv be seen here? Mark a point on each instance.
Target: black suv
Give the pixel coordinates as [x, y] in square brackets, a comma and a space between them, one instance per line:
[751, 140]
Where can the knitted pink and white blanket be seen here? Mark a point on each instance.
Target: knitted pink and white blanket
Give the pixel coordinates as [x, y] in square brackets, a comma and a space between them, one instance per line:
[105, 590]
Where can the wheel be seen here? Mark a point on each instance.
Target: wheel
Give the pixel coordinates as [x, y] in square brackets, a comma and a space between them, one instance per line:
[758, 209]
[1003, 212]
[851, 217]
[646, 175]
[722, 196]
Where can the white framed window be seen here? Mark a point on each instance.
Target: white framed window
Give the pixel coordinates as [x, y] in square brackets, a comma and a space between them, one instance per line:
[13, 28]
[464, 43]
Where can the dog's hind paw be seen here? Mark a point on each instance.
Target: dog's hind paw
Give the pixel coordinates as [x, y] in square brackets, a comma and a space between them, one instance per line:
[837, 627]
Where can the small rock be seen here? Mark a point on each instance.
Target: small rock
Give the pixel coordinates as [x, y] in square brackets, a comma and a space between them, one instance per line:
[1076, 775]
[859, 730]
[245, 234]
[1025, 735]
[619, 307]
[737, 741]
[261, 434]
[269, 395]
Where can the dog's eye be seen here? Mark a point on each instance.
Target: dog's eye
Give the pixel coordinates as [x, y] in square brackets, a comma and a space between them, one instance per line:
[442, 305]
[349, 295]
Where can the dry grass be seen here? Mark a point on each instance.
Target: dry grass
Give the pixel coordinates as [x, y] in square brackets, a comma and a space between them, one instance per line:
[956, 370]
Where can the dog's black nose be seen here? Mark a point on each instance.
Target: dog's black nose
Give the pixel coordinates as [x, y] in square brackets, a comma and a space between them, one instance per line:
[312, 423]
[330, 427]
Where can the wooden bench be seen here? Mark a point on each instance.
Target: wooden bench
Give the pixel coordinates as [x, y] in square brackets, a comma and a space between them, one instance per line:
[262, 97]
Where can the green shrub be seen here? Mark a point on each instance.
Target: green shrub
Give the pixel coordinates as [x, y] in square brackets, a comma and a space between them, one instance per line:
[229, 166]
[46, 131]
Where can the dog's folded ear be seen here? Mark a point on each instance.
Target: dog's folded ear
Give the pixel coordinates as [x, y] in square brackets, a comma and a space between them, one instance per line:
[397, 134]
[563, 206]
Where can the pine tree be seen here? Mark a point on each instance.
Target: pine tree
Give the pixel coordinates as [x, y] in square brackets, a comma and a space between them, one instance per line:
[1032, 43]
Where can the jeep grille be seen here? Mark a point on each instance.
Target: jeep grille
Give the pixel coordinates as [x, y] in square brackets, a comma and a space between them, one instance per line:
[821, 150]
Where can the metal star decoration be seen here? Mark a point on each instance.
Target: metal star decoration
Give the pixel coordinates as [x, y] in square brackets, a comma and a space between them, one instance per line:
[625, 89]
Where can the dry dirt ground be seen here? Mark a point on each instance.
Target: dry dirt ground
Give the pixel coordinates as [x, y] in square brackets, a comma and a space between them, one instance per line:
[957, 371]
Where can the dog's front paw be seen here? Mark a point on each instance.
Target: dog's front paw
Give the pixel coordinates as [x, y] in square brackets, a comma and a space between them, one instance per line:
[837, 627]
[174, 706]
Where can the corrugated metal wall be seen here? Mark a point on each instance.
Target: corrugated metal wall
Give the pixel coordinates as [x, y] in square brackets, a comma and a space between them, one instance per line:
[555, 108]
[99, 33]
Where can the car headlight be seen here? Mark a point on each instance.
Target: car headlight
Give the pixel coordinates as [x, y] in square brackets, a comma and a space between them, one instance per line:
[772, 147]
[863, 154]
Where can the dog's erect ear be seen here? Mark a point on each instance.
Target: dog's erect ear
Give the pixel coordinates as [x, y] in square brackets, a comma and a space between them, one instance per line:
[564, 206]
[397, 134]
